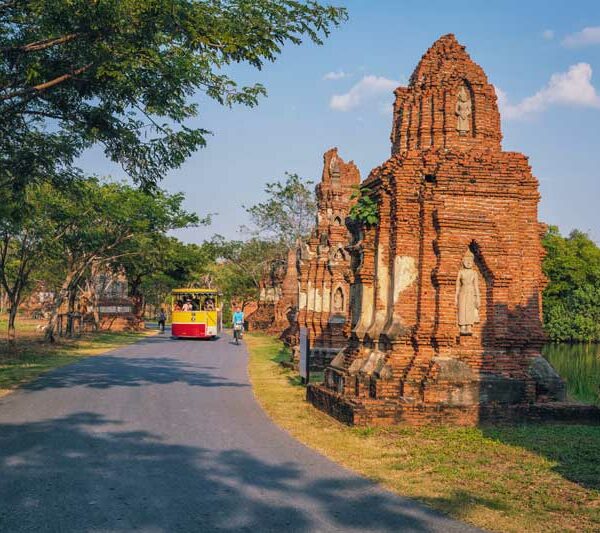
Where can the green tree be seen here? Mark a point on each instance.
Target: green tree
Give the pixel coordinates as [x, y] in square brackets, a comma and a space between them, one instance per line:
[289, 212]
[120, 73]
[240, 267]
[572, 296]
[156, 264]
[22, 239]
[101, 218]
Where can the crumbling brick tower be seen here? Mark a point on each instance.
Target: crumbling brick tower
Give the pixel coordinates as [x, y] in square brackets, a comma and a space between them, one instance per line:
[286, 308]
[324, 264]
[446, 309]
[269, 294]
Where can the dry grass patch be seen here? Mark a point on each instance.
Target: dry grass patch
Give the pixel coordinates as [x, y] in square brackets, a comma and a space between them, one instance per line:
[523, 478]
[32, 356]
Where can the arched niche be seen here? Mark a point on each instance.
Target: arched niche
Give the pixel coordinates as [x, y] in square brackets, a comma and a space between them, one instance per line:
[465, 109]
[484, 326]
[338, 301]
[339, 255]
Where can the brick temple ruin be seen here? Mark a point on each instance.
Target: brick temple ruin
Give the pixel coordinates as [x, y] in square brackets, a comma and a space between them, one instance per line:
[284, 323]
[277, 305]
[324, 273]
[446, 299]
[269, 294]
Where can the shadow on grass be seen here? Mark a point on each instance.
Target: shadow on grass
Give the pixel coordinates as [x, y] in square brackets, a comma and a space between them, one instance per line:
[282, 355]
[31, 347]
[460, 502]
[575, 449]
[111, 479]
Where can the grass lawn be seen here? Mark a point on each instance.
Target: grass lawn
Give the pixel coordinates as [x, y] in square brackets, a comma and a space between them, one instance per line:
[32, 356]
[522, 478]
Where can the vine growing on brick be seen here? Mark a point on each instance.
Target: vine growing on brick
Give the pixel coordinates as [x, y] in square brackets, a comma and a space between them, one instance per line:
[365, 209]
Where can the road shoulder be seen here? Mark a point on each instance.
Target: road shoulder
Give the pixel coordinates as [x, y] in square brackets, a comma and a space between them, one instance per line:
[526, 478]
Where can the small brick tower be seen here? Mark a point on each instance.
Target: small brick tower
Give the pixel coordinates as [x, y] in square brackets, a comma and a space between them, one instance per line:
[324, 264]
[446, 300]
[269, 295]
[286, 308]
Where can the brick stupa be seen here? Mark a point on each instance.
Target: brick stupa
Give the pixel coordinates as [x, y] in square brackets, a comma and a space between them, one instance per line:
[286, 308]
[269, 295]
[446, 311]
[324, 272]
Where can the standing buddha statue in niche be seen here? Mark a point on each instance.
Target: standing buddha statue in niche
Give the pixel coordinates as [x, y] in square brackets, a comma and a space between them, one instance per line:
[467, 295]
[338, 301]
[463, 111]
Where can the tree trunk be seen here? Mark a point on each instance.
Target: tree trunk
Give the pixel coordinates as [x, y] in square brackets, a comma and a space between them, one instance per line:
[96, 313]
[58, 301]
[3, 301]
[137, 298]
[93, 294]
[143, 313]
[71, 311]
[14, 300]
[12, 334]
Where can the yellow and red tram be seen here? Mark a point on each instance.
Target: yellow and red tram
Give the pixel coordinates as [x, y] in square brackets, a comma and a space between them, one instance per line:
[196, 313]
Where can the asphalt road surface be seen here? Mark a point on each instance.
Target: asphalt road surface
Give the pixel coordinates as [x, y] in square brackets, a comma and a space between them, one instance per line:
[165, 435]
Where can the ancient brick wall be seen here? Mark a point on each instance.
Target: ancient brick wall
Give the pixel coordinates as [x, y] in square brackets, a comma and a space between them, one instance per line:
[324, 273]
[446, 309]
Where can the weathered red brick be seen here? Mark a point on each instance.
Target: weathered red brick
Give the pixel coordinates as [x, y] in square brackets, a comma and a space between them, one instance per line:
[447, 189]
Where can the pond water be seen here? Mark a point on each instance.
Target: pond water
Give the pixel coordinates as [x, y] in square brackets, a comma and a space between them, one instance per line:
[579, 366]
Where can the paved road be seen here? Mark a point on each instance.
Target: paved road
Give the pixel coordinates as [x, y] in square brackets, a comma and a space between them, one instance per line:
[165, 435]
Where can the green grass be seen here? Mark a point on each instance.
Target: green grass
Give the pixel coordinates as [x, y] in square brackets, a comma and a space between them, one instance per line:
[31, 356]
[579, 366]
[523, 478]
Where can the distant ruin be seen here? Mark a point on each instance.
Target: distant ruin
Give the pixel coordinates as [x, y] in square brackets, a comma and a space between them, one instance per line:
[323, 263]
[285, 310]
[269, 294]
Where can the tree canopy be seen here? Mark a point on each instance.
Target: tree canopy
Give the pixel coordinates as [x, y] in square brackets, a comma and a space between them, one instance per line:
[66, 233]
[572, 296]
[288, 213]
[121, 73]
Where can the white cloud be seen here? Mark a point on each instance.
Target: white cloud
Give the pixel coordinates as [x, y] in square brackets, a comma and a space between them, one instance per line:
[337, 75]
[573, 87]
[548, 35]
[585, 37]
[368, 88]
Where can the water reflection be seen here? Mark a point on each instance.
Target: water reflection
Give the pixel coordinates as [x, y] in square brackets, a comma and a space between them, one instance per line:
[579, 366]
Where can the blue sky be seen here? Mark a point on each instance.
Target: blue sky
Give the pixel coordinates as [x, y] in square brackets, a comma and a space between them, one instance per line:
[543, 56]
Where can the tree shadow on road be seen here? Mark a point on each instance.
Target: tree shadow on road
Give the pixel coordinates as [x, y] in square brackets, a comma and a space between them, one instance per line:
[80, 473]
[116, 371]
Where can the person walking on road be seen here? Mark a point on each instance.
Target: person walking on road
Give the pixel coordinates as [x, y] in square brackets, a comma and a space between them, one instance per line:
[161, 318]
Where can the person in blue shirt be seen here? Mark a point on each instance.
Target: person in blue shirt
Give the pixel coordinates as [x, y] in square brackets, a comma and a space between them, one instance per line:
[238, 317]
[238, 325]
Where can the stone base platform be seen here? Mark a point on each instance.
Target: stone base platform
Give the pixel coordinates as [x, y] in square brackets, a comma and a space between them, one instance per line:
[321, 357]
[371, 412]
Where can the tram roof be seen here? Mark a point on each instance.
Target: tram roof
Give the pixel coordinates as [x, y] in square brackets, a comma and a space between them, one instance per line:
[195, 291]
